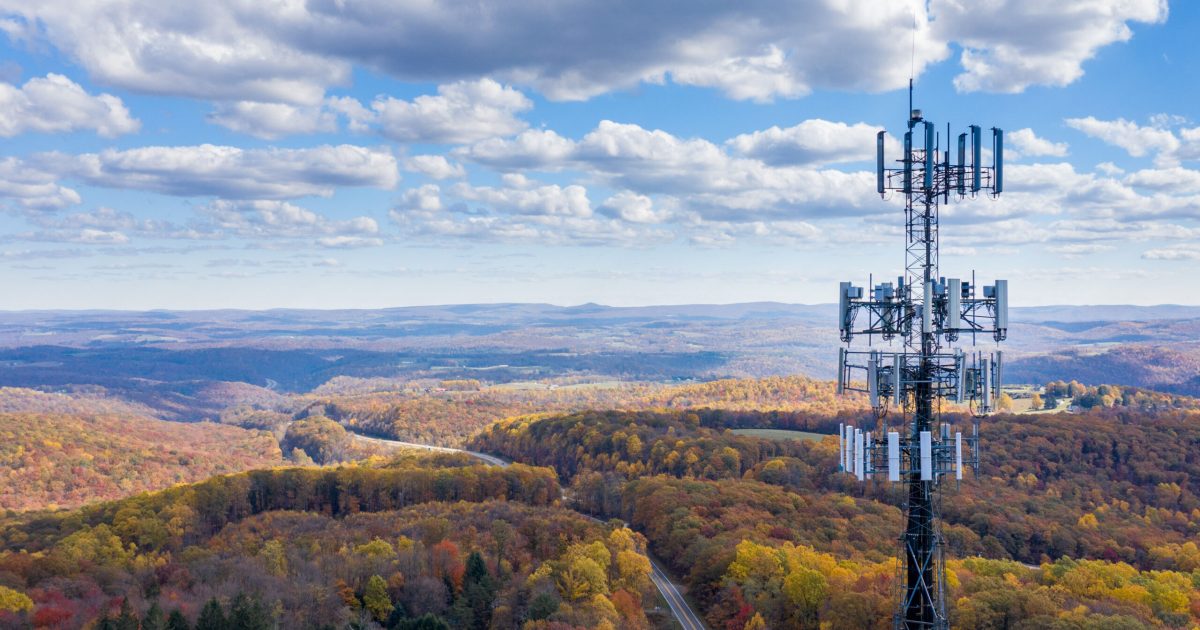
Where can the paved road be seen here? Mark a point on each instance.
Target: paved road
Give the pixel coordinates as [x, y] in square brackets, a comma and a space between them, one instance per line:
[679, 606]
[484, 457]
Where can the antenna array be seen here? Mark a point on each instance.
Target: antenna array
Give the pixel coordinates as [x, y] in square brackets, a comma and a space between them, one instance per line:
[928, 314]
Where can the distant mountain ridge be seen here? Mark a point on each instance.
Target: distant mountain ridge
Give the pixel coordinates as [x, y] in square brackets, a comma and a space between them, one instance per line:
[173, 358]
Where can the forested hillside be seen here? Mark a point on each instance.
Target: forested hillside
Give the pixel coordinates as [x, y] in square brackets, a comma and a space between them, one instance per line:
[50, 460]
[429, 542]
[769, 527]
[447, 413]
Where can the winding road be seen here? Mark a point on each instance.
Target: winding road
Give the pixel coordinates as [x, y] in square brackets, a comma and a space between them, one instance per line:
[683, 613]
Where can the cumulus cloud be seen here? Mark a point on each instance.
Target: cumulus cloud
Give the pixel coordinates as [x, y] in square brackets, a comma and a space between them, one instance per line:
[548, 200]
[274, 219]
[349, 242]
[232, 172]
[1135, 139]
[213, 50]
[701, 175]
[1174, 180]
[634, 208]
[532, 149]
[1027, 143]
[813, 141]
[273, 120]
[435, 166]
[56, 104]
[466, 111]
[1009, 45]
[32, 188]
[1172, 253]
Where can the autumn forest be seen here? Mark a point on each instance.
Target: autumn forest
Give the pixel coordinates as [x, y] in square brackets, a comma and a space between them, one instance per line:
[548, 499]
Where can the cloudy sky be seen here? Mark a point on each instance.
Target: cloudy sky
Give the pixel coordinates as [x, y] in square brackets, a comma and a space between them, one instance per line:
[368, 153]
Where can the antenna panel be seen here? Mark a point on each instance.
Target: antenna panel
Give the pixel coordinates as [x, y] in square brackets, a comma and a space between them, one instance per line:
[926, 456]
[930, 155]
[873, 379]
[926, 311]
[999, 373]
[976, 157]
[958, 455]
[1001, 292]
[998, 159]
[849, 451]
[897, 378]
[907, 162]
[953, 304]
[960, 364]
[893, 450]
[858, 454]
[962, 163]
[880, 181]
[841, 446]
[841, 382]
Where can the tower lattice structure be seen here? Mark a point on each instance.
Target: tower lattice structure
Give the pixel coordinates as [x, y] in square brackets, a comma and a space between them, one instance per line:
[931, 326]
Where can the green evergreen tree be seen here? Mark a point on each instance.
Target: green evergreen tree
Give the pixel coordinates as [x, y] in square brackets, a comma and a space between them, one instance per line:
[248, 613]
[176, 621]
[476, 571]
[212, 617]
[542, 606]
[428, 621]
[154, 618]
[126, 620]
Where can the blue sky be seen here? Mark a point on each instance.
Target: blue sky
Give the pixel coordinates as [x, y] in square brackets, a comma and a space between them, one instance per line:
[363, 153]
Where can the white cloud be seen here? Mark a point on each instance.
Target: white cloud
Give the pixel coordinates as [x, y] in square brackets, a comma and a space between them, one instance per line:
[534, 148]
[56, 104]
[349, 242]
[1076, 250]
[1027, 143]
[435, 166]
[758, 49]
[1172, 253]
[32, 188]
[427, 198]
[552, 200]
[90, 235]
[273, 120]
[634, 208]
[1173, 179]
[232, 172]
[225, 49]
[813, 141]
[1009, 45]
[276, 219]
[700, 174]
[466, 111]
[1130, 136]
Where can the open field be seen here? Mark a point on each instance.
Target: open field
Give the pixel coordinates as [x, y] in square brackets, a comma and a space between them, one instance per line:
[779, 434]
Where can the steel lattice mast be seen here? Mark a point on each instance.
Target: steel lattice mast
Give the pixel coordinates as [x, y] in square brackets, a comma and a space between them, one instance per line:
[924, 311]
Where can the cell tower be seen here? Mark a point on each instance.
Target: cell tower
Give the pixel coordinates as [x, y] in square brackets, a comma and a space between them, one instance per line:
[933, 318]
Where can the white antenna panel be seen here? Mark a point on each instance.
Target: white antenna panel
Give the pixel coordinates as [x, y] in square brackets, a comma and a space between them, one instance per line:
[926, 311]
[958, 455]
[893, 456]
[926, 456]
[858, 454]
[841, 445]
[1002, 304]
[897, 375]
[953, 304]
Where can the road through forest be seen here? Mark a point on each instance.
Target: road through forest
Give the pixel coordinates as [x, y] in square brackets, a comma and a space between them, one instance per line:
[683, 613]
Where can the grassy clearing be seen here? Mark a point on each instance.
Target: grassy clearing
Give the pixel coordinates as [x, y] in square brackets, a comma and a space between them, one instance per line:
[779, 434]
